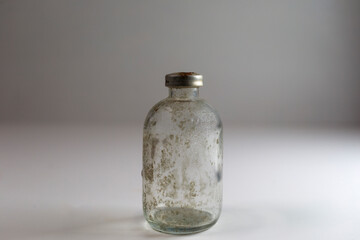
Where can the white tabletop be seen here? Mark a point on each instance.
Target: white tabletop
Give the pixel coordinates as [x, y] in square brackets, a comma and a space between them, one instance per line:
[83, 182]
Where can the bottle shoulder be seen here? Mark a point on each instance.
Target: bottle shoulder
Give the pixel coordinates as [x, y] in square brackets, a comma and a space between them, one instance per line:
[173, 110]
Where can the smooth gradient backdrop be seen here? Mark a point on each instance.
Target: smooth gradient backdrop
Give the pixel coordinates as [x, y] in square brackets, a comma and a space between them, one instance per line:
[77, 78]
[264, 62]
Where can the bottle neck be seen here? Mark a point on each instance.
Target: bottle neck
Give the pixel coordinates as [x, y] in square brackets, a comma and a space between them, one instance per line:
[184, 93]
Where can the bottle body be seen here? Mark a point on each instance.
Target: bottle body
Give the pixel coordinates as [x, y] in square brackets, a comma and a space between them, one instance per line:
[182, 164]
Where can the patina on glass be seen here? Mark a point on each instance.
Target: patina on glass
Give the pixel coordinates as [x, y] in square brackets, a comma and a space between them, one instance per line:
[182, 159]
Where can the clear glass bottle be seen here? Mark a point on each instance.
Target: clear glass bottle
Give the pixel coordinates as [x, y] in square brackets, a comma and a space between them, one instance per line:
[182, 159]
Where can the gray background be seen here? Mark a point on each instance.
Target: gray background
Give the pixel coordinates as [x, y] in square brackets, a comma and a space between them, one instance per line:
[264, 62]
[77, 79]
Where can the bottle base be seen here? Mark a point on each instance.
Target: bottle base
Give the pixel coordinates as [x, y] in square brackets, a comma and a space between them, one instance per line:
[181, 221]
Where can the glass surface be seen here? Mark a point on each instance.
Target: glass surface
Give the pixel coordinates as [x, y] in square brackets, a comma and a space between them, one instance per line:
[182, 164]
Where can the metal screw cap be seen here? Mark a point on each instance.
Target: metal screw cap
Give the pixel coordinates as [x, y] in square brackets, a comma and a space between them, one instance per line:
[183, 80]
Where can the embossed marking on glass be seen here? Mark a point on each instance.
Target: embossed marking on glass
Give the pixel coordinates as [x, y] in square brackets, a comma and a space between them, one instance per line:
[182, 159]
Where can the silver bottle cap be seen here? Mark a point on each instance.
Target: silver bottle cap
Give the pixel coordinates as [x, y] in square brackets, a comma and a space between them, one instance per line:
[183, 80]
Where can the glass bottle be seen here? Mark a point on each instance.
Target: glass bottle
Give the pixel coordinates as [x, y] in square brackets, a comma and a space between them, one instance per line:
[182, 159]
